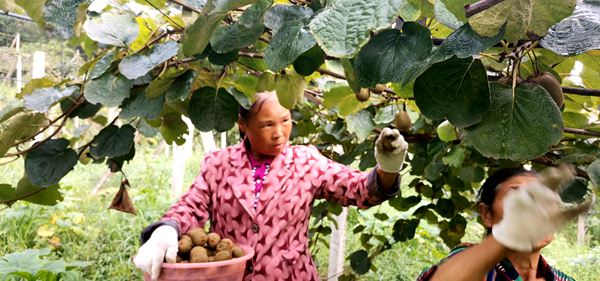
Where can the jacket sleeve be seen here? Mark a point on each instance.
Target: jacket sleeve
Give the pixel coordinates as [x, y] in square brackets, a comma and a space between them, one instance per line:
[345, 185]
[193, 208]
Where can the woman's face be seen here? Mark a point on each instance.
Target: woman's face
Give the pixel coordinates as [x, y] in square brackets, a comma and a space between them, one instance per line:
[493, 215]
[269, 129]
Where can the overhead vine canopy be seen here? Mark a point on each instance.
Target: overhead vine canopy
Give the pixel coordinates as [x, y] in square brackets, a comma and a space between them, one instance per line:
[346, 68]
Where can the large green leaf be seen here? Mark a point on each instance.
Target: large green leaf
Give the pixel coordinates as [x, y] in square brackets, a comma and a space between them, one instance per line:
[309, 61]
[112, 29]
[457, 7]
[228, 5]
[173, 129]
[578, 33]
[181, 87]
[41, 100]
[343, 100]
[162, 84]
[446, 17]
[452, 232]
[138, 65]
[34, 9]
[242, 33]
[108, 89]
[290, 89]
[521, 17]
[593, 171]
[360, 124]
[197, 36]
[61, 15]
[277, 15]
[112, 141]
[360, 262]
[142, 106]
[49, 162]
[210, 109]
[48, 196]
[455, 89]
[590, 72]
[345, 25]
[7, 193]
[404, 230]
[290, 41]
[20, 127]
[519, 126]
[103, 64]
[464, 42]
[392, 56]
[146, 29]
[83, 111]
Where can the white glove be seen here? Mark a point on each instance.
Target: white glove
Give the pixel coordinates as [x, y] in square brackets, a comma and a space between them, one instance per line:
[532, 212]
[163, 244]
[390, 150]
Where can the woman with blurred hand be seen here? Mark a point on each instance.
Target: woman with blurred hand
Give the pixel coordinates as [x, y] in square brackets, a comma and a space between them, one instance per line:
[521, 210]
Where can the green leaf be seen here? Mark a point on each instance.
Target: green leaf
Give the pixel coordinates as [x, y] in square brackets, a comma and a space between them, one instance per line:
[470, 174]
[221, 59]
[360, 124]
[49, 162]
[392, 55]
[138, 65]
[521, 17]
[108, 89]
[445, 208]
[465, 42]
[385, 115]
[20, 127]
[163, 83]
[197, 36]
[287, 44]
[42, 99]
[455, 89]
[112, 141]
[83, 111]
[210, 109]
[173, 129]
[404, 230]
[519, 126]
[153, 3]
[350, 74]
[180, 88]
[61, 15]
[343, 101]
[242, 33]
[309, 61]
[445, 16]
[7, 193]
[142, 106]
[575, 192]
[455, 157]
[454, 231]
[240, 97]
[593, 171]
[290, 89]
[228, 5]
[277, 15]
[146, 28]
[576, 34]
[11, 109]
[115, 164]
[103, 29]
[344, 26]
[360, 262]
[103, 64]
[410, 10]
[48, 196]
[404, 204]
[34, 9]
[457, 7]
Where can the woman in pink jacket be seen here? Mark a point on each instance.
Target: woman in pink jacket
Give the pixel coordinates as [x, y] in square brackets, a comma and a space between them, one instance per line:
[260, 193]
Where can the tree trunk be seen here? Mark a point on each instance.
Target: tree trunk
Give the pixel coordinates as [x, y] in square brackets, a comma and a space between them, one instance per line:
[180, 156]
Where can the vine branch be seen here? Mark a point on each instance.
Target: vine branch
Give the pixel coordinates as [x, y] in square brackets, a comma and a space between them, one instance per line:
[479, 6]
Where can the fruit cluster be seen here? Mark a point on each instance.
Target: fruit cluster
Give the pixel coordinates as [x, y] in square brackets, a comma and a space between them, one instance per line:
[196, 246]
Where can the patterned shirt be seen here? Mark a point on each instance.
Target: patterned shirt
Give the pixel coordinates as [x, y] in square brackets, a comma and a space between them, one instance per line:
[503, 270]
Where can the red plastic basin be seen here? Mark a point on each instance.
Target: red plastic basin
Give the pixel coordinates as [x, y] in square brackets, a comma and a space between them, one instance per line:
[230, 270]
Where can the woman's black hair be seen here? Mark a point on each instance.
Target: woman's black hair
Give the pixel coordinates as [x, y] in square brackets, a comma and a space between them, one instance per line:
[487, 192]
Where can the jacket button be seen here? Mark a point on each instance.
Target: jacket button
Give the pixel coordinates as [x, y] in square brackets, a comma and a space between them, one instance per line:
[255, 228]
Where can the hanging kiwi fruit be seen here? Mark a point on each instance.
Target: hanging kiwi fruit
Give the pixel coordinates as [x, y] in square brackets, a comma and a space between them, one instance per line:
[363, 95]
[379, 88]
[551, 84]
[402, 120]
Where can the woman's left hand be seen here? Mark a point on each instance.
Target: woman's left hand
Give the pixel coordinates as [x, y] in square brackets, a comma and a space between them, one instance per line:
[390, 150]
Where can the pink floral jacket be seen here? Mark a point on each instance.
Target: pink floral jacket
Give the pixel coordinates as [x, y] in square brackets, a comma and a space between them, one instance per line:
[223, 193]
